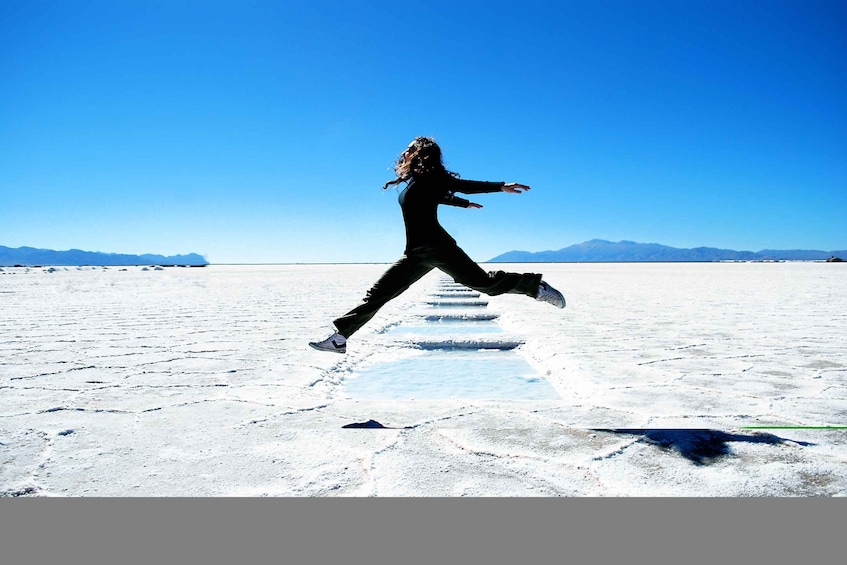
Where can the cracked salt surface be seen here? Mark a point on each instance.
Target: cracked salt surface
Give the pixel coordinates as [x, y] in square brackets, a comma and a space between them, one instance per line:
[199, 382]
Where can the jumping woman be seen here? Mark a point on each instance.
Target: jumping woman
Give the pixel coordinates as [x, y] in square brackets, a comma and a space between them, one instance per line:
[429, 246]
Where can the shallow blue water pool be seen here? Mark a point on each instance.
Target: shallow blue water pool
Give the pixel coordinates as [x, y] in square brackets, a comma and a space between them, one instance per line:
[484, 374]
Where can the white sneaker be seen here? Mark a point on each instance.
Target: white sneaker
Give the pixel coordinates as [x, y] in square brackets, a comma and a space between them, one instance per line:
[336, 343]
[547, 293]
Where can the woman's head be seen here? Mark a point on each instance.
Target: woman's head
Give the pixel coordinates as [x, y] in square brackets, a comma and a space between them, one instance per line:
[421, 157]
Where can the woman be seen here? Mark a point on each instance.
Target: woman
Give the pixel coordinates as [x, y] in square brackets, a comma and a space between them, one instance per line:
[429, 246]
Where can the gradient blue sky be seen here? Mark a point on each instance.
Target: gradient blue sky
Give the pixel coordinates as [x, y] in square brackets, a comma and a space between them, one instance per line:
[263, 131]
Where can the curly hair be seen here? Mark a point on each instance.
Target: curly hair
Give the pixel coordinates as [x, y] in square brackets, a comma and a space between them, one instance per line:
[423, 157]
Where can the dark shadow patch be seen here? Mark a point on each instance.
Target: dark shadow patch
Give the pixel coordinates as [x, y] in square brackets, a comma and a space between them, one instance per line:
[700, 446]
[373, 425]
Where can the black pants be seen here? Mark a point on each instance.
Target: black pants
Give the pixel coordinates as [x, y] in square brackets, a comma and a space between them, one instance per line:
[420, 261]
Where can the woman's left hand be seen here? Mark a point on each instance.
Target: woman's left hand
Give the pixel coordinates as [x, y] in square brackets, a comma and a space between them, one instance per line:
[514, 187]
[474, 205]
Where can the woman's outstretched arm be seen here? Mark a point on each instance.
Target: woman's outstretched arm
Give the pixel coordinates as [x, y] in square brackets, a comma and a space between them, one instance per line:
[477, 187]
[511, 187]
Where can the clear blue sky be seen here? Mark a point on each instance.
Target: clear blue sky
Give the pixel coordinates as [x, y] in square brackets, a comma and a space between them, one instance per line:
[263, 131]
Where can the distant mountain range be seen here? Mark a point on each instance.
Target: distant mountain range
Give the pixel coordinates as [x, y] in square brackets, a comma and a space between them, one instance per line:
[29, 256]
[598, 250]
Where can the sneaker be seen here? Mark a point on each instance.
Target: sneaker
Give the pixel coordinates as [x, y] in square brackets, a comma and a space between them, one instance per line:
[336, 342]
[547, 293]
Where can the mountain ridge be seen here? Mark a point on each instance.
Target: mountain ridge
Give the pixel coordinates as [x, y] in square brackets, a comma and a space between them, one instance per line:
[30, 256]
[599, 251]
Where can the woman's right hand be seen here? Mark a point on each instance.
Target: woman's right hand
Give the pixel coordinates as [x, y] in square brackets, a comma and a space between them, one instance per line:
[514, 187]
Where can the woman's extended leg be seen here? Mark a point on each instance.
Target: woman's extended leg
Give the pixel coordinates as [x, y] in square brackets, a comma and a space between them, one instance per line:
[394, 281]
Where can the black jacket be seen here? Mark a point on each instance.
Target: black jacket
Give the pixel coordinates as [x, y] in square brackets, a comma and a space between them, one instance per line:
[419, 202]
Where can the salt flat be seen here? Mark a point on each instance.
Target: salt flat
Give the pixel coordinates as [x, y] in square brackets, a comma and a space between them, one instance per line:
[199, 382]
